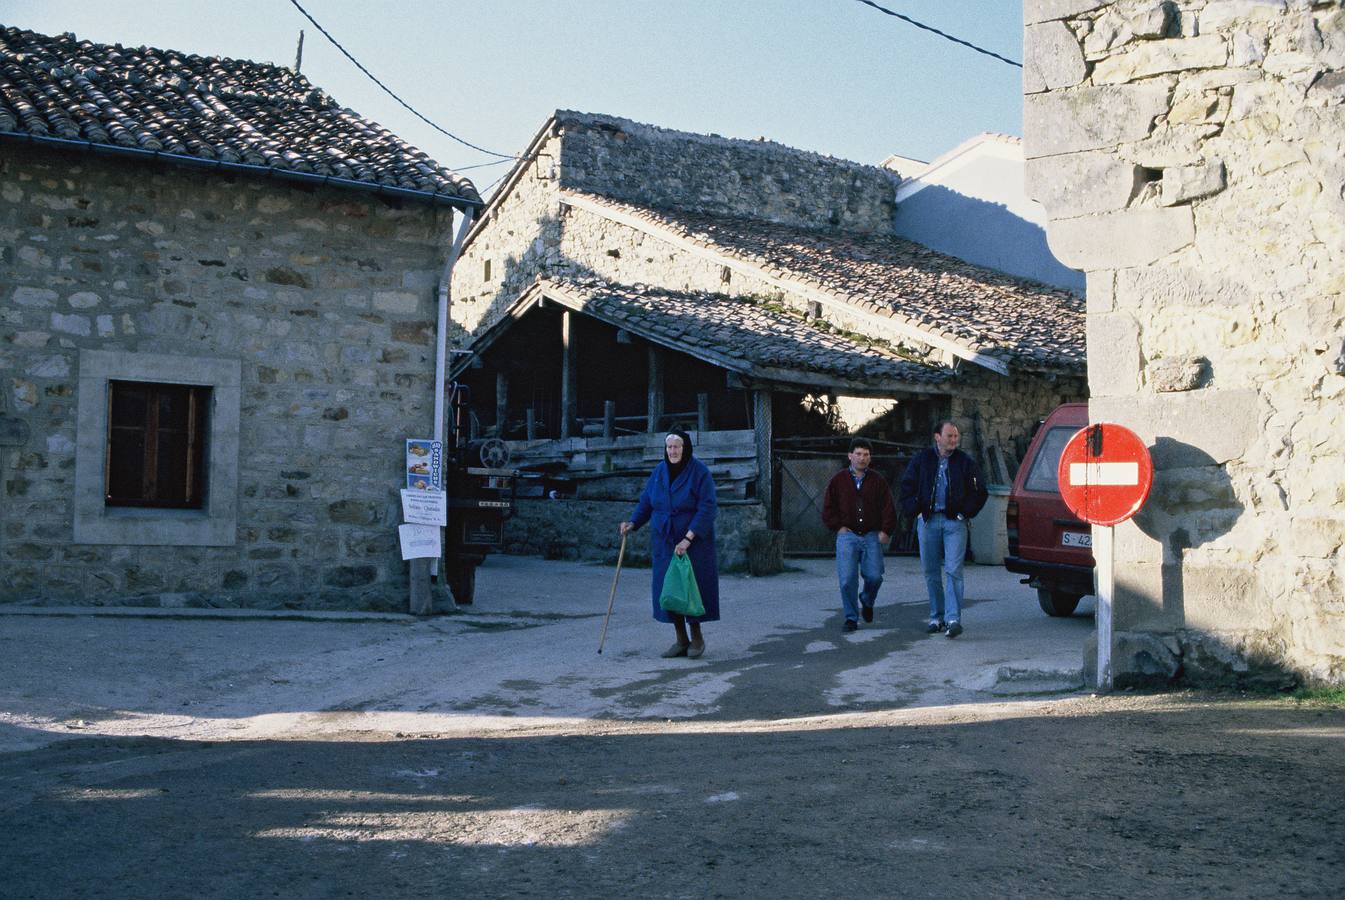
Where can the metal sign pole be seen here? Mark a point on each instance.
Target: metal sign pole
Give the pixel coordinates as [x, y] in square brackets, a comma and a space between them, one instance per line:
[1105, 556]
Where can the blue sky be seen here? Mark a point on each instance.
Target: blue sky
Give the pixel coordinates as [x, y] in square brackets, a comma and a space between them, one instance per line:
[832, 76]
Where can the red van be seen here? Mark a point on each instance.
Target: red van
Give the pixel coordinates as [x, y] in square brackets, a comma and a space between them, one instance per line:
[1047, 543]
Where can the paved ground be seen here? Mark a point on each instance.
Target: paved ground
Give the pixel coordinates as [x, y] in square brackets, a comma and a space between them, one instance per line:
[526, 650]
[495, 753]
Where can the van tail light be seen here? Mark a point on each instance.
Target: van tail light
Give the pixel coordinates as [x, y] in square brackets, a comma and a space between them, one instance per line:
[1011, 526]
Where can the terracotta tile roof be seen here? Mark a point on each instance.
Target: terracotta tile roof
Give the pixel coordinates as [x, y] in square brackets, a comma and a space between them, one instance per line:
[747, 335]
[1019, 322]
[207, 107]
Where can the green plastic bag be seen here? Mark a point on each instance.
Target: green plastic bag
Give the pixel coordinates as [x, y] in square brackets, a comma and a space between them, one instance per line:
[680, 594]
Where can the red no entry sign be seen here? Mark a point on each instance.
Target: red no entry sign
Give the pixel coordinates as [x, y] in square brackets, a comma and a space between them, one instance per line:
[1105, 474]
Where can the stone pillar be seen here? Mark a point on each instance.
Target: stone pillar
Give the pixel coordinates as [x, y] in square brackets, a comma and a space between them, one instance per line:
[568, 375]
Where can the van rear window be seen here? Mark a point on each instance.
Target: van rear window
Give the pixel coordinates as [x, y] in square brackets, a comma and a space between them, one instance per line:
[1043, 476]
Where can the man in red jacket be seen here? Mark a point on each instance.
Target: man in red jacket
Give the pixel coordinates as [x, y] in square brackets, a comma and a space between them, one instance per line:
[858, 506]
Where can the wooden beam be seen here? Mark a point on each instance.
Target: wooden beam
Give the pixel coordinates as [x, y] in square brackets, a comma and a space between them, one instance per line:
[763, 427]
[655, 416]
[702, 413]
[568, 374]
[608, 419]
[501, 403]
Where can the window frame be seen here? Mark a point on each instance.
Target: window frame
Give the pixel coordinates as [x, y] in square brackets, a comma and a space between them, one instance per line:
[152, 491]
[215, 523]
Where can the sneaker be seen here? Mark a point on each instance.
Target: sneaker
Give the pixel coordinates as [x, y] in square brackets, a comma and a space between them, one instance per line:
[935, 627]
[867, 613]
[954, 628]
[850, 625]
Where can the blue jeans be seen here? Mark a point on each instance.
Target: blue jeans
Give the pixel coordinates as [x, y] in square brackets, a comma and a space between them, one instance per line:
[858, 555]
[943, 546]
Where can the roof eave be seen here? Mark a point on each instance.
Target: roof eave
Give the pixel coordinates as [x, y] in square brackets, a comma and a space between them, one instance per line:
[813, 291]
[437, 198]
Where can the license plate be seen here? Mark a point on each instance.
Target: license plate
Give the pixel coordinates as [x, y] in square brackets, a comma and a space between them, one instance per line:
[1076, 539]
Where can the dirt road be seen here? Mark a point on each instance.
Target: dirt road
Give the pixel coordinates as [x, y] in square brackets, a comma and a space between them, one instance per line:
[1147, 796]
[494, 754]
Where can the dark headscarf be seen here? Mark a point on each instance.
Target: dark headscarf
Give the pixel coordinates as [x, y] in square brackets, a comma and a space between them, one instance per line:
[676, 469]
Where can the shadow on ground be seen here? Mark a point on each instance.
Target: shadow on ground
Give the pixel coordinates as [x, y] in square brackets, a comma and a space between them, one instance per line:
[1116, 796]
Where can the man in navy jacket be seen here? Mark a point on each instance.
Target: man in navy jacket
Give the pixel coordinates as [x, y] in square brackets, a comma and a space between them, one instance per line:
[858, 506]
[943, 489]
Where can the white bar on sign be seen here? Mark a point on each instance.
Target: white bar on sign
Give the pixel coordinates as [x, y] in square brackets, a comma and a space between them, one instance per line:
[1117, 474]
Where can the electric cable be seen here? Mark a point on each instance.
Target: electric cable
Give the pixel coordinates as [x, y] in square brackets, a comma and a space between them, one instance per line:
[493, 162]
[944, 35]
[388, 90]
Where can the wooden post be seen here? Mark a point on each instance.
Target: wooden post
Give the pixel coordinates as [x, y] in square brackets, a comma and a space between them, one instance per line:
[567, 374]
[608, 420]
[420, 602]
[501, 404]
[762, 425]
[702, 413]
[532, 424]
[655, 415]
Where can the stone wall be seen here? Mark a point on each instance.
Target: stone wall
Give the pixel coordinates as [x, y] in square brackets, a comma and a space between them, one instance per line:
[518, 239]
[587, 529]
[326, 299]
[650, 166]
[1191, 156]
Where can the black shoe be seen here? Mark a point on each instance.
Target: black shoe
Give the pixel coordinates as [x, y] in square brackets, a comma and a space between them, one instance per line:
[850, 625]
[867, 613]
[935, 627]
[954, 628]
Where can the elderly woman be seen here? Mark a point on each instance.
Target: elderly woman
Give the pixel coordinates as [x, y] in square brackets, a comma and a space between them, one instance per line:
[679, 500]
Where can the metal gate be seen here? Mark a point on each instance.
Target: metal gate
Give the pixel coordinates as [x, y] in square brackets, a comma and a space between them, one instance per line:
[803, 481]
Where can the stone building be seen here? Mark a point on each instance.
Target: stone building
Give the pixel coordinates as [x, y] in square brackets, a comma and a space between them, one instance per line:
[217, 325]
[663, 256]
[1191, 156]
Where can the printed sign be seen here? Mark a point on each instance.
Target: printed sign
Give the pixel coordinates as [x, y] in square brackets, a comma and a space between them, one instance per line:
[1105, 474]
[424, 464]
[424, 507]
[419, 541]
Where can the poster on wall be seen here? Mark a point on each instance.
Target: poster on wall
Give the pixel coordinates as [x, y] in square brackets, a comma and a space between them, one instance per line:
[419, 541]
[424, 464]
[427, 507]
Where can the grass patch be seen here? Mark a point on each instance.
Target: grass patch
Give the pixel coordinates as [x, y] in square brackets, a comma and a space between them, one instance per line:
[1331, 696]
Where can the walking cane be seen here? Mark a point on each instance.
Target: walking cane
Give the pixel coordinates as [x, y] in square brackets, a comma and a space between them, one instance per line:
[612, 599]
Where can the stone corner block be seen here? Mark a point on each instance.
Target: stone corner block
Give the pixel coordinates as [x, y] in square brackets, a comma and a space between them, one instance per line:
[1068, 121]
[1051, 58]
[1081, 184]
[1121, 240]
[1216, 425]
[1113, 355]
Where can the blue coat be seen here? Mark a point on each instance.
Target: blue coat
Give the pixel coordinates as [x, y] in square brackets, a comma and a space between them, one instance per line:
[688, 504]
